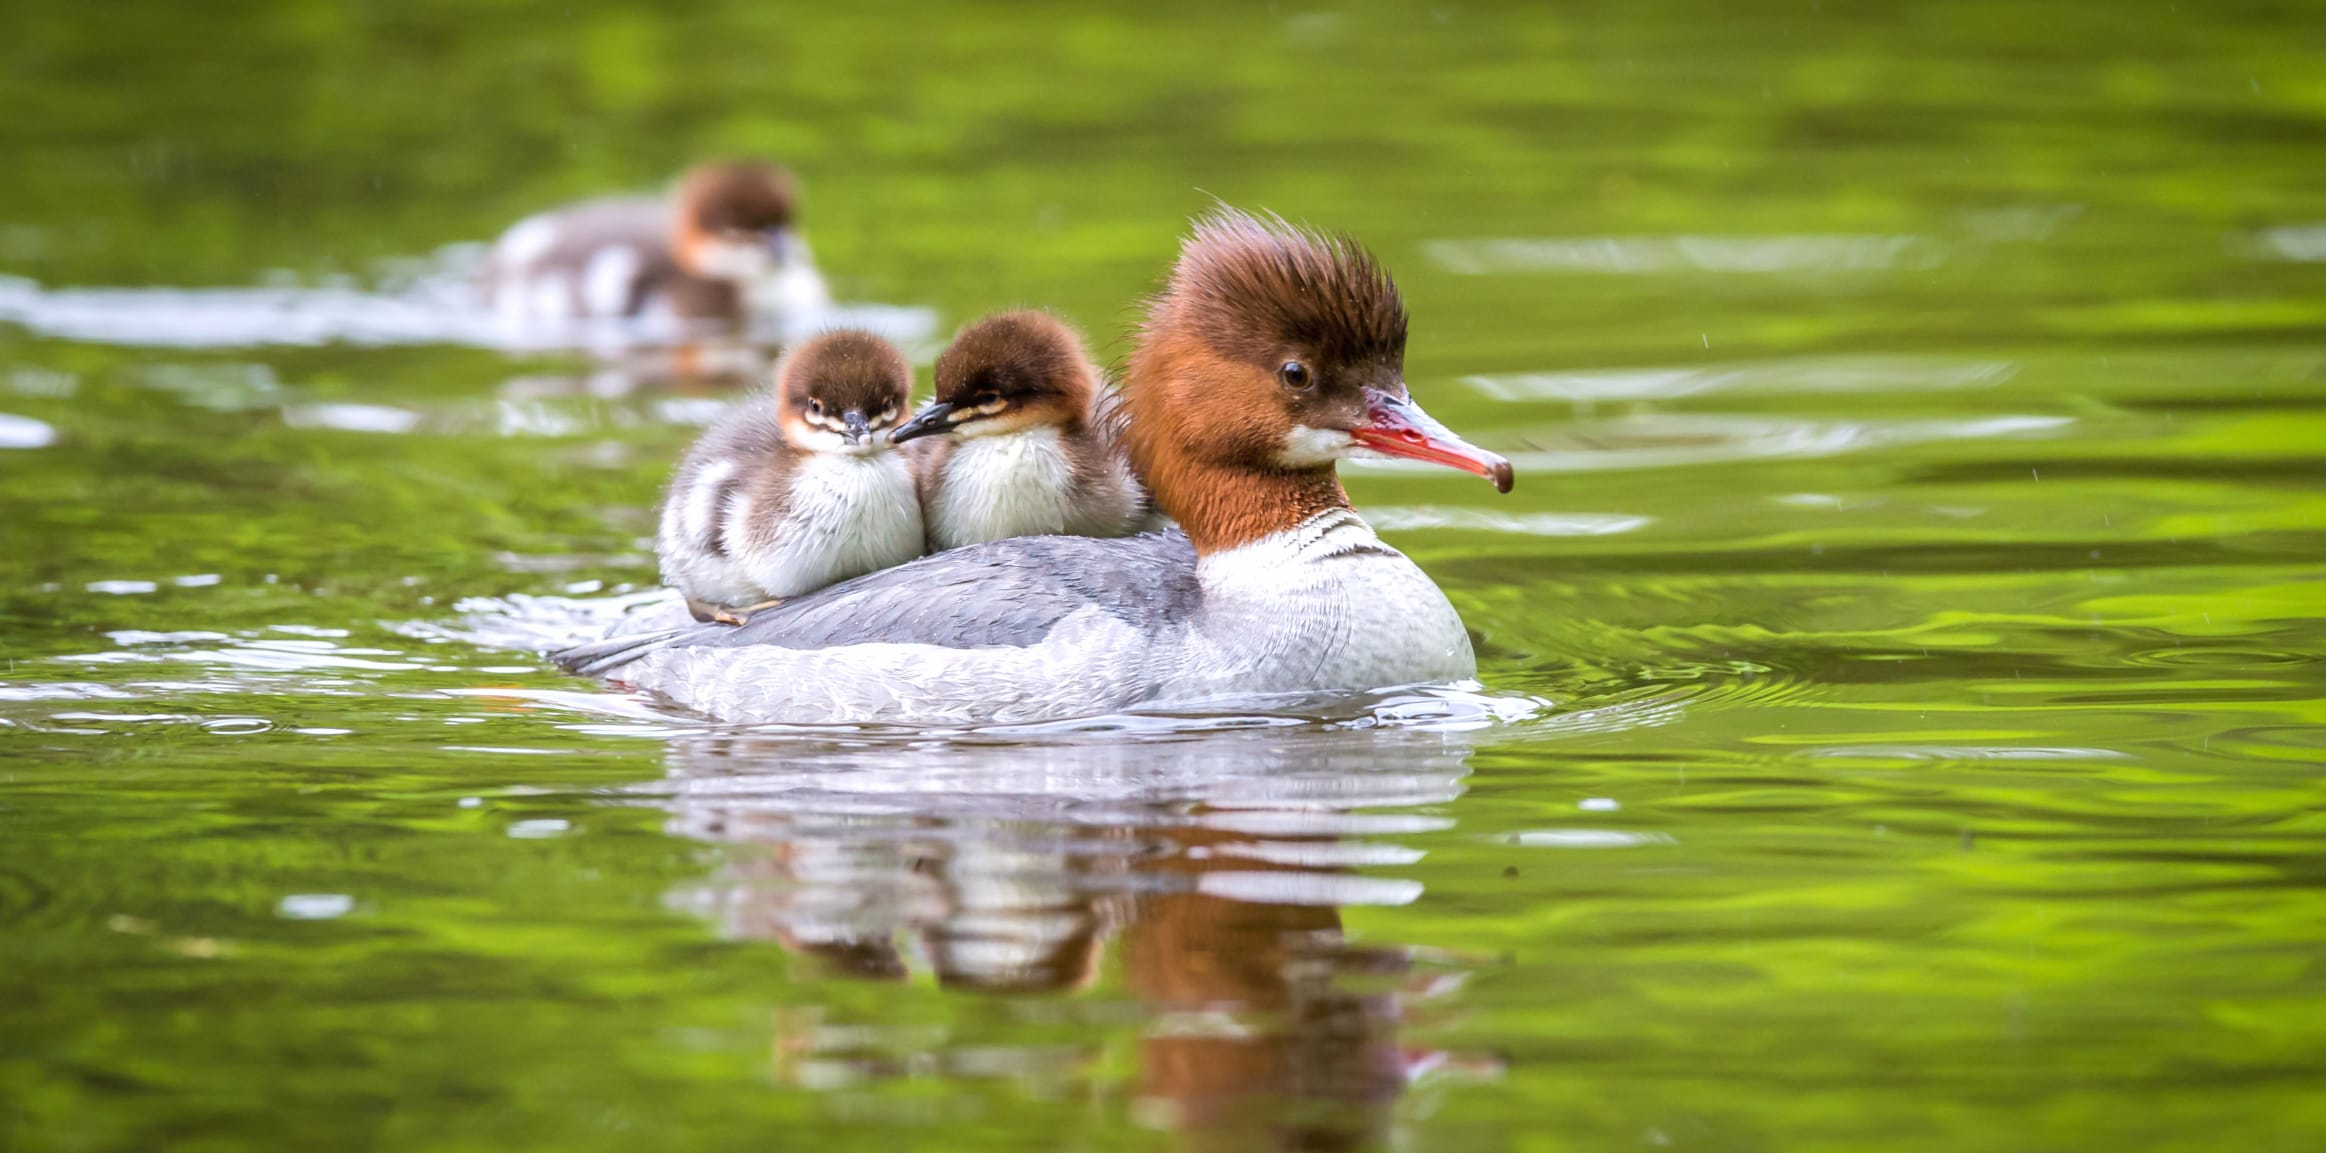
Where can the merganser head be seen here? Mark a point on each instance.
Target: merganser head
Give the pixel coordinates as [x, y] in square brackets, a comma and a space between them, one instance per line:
[1005, 373]
[1271, 353]
[840, 391]
[734, 221]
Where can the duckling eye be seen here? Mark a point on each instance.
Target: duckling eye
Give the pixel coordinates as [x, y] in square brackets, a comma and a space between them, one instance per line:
[1294, 375]
[815, 408]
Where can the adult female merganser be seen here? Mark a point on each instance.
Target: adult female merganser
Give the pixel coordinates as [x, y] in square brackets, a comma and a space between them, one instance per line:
[723, 247]
[1016, 448]
[1271, 353]
[785, 496]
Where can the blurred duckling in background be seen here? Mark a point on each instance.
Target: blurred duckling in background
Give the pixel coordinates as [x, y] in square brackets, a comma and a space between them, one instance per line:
[781, 497]
[724, 246]
[1018, 447]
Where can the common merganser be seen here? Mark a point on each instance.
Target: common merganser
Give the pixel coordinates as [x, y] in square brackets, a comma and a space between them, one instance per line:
[724, 246]
[1271, 353]
[1014, 445]
[786, 495]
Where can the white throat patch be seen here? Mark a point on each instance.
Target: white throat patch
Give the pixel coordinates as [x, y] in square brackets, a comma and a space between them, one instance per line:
[1307, 447]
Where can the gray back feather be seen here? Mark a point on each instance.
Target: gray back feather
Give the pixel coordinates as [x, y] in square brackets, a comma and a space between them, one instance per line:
[1005, 592]
[1000, 593]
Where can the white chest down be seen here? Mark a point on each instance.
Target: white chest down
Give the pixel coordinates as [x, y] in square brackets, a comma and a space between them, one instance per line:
[995, 487]
[1324, 606]
[848, 514]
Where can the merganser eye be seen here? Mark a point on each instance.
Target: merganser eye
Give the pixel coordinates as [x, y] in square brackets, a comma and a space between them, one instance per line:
[1294, 375]
[815, 408]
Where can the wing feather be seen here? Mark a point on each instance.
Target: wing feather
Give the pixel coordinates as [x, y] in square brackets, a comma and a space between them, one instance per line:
[1006, 593]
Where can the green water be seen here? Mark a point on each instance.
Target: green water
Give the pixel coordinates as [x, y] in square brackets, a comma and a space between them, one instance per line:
[1919, 534]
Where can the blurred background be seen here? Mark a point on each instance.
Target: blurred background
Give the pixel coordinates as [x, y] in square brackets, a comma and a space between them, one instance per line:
[1902, 645]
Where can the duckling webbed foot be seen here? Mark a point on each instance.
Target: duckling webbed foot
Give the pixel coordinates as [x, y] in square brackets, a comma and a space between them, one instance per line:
[723, 614]
[714, 613]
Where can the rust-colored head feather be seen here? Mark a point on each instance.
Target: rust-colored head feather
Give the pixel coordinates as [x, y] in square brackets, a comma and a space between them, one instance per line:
[1263, 328]
[1253, 283]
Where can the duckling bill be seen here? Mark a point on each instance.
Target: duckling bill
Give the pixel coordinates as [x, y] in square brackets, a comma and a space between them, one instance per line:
[789, 493]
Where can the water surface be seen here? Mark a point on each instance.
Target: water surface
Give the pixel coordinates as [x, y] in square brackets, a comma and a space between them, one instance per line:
[1917, 550]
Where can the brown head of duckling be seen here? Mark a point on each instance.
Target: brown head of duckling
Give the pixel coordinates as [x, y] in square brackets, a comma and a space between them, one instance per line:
[734, 219]
[842, 390]
[1005, 373]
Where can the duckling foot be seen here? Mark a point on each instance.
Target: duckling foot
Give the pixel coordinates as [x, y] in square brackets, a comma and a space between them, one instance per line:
[742, 616]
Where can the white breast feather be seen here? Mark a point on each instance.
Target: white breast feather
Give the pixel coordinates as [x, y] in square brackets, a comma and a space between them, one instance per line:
[848, 514]
[994, 487]
[795, 290]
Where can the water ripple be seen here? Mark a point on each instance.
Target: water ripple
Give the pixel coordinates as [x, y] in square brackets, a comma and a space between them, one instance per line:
[436, 307]
[2299, 243]
[1670, 440]
[1665, 255]
[1834, 374]
[25, 432]
[1408, 518]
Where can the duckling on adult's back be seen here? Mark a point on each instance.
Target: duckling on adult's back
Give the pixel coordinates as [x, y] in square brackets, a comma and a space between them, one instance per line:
[1013, 444]
[785, 495]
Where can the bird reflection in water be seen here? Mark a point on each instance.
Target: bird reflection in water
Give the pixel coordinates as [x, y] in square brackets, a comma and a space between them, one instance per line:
[1213, 865]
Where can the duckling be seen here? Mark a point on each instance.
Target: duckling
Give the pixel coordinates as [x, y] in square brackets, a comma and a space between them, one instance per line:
[787, 494]
[1018, 446]
[725, 246]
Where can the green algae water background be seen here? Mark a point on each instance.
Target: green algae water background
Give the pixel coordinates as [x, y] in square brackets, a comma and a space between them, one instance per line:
[1920, 540]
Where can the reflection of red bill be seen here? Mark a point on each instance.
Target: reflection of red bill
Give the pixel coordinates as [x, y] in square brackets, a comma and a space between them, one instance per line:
[1396, 426]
